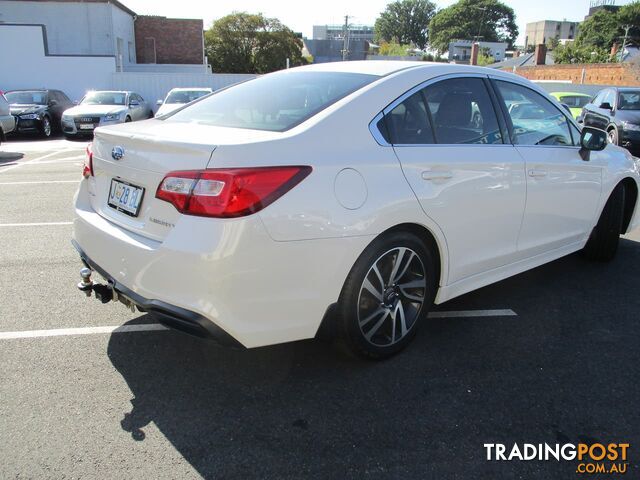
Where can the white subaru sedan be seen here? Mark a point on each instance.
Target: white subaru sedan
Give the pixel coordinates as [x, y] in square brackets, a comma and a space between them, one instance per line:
[361, 192]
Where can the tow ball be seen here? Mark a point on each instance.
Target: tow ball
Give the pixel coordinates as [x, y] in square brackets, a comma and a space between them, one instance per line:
[104, 293]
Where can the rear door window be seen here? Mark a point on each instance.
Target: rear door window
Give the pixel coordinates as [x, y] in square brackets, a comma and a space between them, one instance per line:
[462, 112]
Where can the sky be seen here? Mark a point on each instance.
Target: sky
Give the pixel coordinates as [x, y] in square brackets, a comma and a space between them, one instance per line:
[300, 16]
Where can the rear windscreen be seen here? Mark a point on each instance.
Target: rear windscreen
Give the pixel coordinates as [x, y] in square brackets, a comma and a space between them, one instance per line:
[274, 102]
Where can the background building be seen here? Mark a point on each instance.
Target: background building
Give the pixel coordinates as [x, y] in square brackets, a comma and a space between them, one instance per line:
[597, 5]
[540, 32]
[460, 50]
[336, 32]
[109, 28]
[169, 40]
[78, 28]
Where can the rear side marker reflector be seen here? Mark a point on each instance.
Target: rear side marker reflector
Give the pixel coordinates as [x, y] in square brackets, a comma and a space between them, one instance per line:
[87, 168]
[228, 193]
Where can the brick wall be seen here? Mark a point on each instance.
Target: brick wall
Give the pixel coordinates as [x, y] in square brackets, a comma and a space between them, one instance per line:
[175, 40]
[618, 74]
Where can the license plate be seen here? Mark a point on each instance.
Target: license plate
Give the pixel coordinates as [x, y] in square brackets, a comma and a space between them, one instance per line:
[86, 126]
[125, 198]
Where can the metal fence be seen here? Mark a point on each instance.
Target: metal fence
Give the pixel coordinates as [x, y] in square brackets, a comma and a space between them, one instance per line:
[154, 86]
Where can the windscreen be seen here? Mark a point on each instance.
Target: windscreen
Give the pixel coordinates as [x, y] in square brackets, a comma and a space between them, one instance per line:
[26, 98]
[273, 102]
[629, 100]
[104, 98]
[185, 96]
[575, 101]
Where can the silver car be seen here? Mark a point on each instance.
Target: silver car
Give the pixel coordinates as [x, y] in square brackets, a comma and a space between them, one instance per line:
[7, 121]
[104, 108]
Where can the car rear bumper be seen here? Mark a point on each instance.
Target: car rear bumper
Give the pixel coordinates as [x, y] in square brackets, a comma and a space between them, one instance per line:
[229, 273]
[170, 315]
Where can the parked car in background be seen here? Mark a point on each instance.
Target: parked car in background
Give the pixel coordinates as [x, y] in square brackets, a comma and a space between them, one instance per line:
[575, 101]
[616, 110]
[7, 121]
[178, 97]
[361, 192]
[104, 108]
[38, 111]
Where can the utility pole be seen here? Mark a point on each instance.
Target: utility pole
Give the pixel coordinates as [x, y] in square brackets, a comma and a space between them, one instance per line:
[624, 41]
[484, 9]
[345, 39]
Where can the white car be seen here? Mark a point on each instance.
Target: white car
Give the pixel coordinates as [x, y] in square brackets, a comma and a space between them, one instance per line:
[359, 192]
[100, 108]
[179, 97]
[7, 121]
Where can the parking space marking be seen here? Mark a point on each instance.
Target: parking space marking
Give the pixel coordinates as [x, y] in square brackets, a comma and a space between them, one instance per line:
[63, 332]
[40, 182]
[151, 327]
[474, 313]
[36, 224]
[37, 159]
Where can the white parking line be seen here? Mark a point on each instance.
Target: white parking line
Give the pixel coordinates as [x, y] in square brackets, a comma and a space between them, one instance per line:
[63, 332]
[40, 182]
[37, 224]
[474, 313]
[37, 159]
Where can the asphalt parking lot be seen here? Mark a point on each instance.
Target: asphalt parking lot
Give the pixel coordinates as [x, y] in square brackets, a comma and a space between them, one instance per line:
[551, 356]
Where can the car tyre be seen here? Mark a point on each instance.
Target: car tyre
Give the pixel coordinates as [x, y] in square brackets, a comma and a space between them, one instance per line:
[605, 237]
[127, 119]
[46, 128]
[387, 295]
[613, 136]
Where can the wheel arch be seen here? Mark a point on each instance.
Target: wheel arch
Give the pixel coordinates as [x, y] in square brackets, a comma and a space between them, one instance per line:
[429, 240]
[630, 200]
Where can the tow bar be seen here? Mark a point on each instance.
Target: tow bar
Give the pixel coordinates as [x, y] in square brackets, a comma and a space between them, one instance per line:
[104, 293]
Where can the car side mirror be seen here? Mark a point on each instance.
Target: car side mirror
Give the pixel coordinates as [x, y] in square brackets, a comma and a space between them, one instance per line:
[592, 139]
[606, 106]
[134, 103]
[159, 102]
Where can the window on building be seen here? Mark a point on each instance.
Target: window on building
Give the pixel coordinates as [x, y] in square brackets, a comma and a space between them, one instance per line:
[132, 53]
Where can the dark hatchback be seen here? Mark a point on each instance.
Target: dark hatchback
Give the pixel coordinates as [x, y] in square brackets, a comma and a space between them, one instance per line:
[38, 111]
[616, 110]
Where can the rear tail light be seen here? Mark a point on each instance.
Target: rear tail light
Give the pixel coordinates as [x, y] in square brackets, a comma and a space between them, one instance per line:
[87, 167]
[228, 193]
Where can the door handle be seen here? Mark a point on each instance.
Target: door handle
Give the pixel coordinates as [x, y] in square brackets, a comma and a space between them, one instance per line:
[437, 175]
[537, 173]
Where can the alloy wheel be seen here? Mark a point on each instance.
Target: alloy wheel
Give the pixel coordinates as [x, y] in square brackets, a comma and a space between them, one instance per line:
[46, 127]
[391, 296]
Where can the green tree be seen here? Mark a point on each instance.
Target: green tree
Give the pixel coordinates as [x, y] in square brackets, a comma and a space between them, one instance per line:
[552, 43]
[630, 15]
[251, 43]
[601, 30]
[574, 53]
[492, 20]
[405, 22]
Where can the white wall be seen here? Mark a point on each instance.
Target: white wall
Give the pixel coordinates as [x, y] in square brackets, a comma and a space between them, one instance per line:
[79, 28]
[154, 86]
[31, 68]
[123, 27]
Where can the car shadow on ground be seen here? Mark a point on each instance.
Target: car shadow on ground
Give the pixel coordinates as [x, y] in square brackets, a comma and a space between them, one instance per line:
[563, 370]
[8, 158]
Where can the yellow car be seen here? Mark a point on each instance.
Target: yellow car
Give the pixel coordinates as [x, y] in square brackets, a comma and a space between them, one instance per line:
[575, 101]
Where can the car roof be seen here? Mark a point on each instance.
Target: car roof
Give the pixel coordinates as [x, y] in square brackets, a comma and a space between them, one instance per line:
[387, 67]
